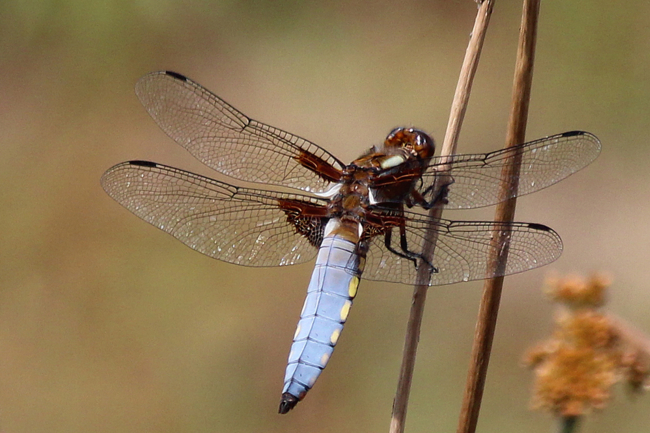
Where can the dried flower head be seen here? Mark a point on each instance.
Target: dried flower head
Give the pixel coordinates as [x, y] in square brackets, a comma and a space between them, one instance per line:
[588, 351]
[578, 292]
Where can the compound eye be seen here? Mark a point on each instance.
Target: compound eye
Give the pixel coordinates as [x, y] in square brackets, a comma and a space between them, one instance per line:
[394, 132]
[423, 144]
[395, 138]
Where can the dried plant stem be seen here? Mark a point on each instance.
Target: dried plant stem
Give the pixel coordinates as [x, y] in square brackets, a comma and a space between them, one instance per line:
[489, 307]
[568, 424]
[459, 106]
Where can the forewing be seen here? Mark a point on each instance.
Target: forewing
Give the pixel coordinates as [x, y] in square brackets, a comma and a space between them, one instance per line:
[462, 250]
[476, 178]
[236, 225]
[228, 141]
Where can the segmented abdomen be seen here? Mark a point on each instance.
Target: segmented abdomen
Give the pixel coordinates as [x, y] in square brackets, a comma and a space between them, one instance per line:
[331, 290]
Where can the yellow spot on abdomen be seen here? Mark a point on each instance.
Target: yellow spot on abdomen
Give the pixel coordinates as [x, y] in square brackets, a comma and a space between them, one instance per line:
[345, 310]
[352, 288]
[324, 359]
[335, 336]
[297, 331]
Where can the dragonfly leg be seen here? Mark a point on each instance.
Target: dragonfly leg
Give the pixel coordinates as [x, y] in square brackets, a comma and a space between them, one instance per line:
[410, 255]
[404, 246]
[387, 242]
[440, 196]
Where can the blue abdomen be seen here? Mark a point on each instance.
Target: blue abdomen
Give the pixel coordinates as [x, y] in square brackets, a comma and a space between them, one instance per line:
[331, 290]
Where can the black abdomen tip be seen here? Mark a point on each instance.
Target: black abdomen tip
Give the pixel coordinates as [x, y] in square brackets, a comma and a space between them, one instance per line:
[287, 403]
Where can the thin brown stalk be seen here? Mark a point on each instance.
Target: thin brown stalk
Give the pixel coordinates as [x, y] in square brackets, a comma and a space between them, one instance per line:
[488, 310]
[459, 106]
[568, 424]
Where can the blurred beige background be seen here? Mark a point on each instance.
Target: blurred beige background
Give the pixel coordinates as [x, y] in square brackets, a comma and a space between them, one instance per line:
[109, 325]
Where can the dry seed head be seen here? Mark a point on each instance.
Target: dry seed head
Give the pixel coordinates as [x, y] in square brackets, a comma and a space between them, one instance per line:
[576, 292]
[587, 353]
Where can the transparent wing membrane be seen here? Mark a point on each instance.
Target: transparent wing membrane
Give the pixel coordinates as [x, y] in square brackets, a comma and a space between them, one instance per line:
[477, 177]
[268, 228]
[228, 141]
[236, 225]
[462, 250]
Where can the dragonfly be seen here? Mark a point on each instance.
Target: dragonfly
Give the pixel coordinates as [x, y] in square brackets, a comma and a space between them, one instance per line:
[364, 218]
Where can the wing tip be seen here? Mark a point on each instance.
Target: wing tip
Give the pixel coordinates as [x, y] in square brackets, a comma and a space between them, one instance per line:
[587, 135]
[159, 74]
[550, 232]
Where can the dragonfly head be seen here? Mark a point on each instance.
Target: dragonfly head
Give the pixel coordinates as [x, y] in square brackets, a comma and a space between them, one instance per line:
[416, 141]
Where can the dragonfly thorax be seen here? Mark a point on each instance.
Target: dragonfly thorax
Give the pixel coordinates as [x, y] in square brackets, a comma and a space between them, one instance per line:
[352, 195]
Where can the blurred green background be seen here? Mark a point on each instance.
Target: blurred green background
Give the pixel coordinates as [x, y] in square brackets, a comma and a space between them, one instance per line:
[109, 325]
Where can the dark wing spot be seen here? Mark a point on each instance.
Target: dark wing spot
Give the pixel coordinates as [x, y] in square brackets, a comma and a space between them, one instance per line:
[176, 75]
[572, 133]
[542, 227]
[143, 163]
